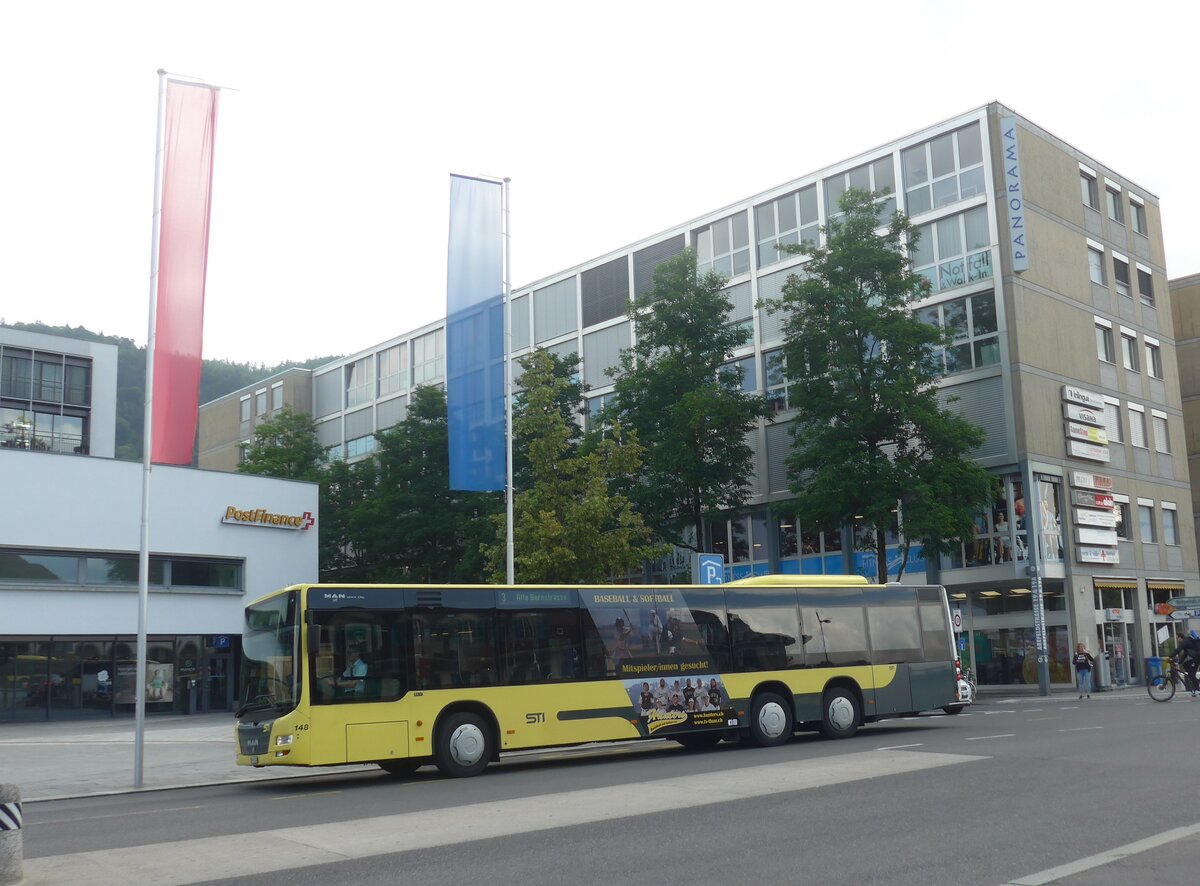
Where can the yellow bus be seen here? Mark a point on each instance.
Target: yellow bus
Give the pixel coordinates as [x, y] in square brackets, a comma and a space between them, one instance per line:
[408, 675]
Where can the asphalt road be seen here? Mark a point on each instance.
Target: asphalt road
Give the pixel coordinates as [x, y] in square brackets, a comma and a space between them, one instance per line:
[1003, 793]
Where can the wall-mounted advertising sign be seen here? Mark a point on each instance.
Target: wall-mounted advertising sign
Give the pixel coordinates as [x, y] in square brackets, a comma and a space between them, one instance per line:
[1017, 231]
[263, 517]
[1090, 451]
[1104, 519]
[1107, 556]
[1092, 499]
[1087, 536]
[1079, 431]
[1083, 397]
[1092, 481]
[1085, 414]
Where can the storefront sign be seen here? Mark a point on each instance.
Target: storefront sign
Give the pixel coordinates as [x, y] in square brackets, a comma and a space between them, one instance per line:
[1092, 481]
[1083, 413]
[1090, 451]
[1085, 432]
[1072, 394]
[1096, 536]
[1092, 499]
[1114, 614]
[1107, 556]
[262, 517]
[1105, 519]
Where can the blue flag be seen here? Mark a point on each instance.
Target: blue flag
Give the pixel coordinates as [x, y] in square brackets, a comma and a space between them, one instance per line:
[475, 336]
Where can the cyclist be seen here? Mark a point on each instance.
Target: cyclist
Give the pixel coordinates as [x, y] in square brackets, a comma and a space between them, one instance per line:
[1187, 656]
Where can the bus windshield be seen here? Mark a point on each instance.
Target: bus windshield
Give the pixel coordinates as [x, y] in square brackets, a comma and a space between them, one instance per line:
[270, 656]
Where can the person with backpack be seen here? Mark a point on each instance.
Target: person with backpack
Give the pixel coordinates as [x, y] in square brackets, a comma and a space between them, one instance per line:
[1187, 656]
[1083, 662]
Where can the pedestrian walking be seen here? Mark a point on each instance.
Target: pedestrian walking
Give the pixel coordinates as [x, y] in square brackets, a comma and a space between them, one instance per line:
[1083, 662]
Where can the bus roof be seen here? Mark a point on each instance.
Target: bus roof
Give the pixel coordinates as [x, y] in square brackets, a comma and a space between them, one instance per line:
[800, 581]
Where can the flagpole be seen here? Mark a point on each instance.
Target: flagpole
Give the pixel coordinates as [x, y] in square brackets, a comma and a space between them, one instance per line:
[147, 432]
[508, 386]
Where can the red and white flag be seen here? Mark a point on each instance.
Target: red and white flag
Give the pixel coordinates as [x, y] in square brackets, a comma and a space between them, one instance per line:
[190, 130]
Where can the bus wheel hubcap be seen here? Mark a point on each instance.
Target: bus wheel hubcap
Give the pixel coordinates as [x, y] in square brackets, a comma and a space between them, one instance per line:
[841, 713]
[771, 720]
[466, 744]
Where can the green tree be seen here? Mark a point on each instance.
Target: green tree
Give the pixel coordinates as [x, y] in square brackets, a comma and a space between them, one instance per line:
[346, 531]
[286, 446]
[678, 391]
[570, 526]
[870, 431]
[419, 529]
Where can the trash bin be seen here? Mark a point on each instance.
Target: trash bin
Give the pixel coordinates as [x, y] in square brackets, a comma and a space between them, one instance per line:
[1153, 668]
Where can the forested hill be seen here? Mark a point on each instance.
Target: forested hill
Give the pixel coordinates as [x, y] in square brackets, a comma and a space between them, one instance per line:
[217, 378]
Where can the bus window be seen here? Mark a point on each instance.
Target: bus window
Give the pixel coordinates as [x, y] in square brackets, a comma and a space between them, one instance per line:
[639, 627]
[935, 632]
[894, 625]
[454, 648]
[541, 646]
[836, 626]
[707, 610]
[359, 656]
[764, 625]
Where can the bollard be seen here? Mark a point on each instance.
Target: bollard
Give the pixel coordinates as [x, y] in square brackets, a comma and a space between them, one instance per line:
[11, 866]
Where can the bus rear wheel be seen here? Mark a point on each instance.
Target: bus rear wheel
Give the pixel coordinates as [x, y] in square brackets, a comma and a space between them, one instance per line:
[770, 720]
[840, 713]
[400, 767]
[464, 745]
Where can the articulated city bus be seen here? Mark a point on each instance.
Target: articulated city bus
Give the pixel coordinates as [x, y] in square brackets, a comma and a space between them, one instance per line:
[407, 675]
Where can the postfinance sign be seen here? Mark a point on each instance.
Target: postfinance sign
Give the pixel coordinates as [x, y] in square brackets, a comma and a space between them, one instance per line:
[263, 517]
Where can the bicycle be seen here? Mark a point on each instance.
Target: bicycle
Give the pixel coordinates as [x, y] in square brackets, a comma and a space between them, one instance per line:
[1162, 686]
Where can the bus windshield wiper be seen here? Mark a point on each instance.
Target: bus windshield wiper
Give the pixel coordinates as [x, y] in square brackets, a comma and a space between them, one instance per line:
[259, 701]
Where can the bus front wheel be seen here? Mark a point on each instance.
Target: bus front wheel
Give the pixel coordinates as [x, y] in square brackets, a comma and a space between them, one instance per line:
[770, 720]
[463, 745]
[840, 714]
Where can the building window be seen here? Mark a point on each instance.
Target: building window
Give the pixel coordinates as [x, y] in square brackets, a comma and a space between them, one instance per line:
[260, 402]
[360, 446]
[976, 340]
[391, 370]
[787, 221]
[1146, 521]
[942, 171]
[953, 251]
[277, 396]
[728, 374]
[1138, 213]
[1121, 515]
[1145, 286]
[1087, 184]
[1162, 437]
[1137, 427]
[358, 382]
[1153, 359]
[243, 452]
[1129, 354]
[873, 177]
[1170, 523]
[429, 357]
[595, 406]
[1121, 276]
[724, 246]
[1115, 212]
[1112, 420]
[1104, 343]
[775, 380]
[1096, 266]
[244, 408]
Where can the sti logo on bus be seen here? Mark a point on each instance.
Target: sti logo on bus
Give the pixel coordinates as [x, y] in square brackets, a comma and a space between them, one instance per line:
[539, 717]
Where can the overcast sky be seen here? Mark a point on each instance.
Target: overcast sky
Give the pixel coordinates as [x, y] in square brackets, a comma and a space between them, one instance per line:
[614, 121]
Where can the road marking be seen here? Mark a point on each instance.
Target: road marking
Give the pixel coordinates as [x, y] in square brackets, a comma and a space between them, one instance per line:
[1102, 858]
[41, 822]
[304, 796]
[986, 737]
[1034, 710]
[1080, 728]
[989, 713]
[897, 747]
[243, 855]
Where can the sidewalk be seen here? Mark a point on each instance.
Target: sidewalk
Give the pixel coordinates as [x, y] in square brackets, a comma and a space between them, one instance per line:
[55, 760]
[59, 759]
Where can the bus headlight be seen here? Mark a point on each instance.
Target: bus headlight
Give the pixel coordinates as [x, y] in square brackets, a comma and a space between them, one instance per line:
[283, 740]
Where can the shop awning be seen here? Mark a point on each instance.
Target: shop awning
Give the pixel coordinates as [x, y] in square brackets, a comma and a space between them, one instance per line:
[1154, 585]
[1121, 583]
